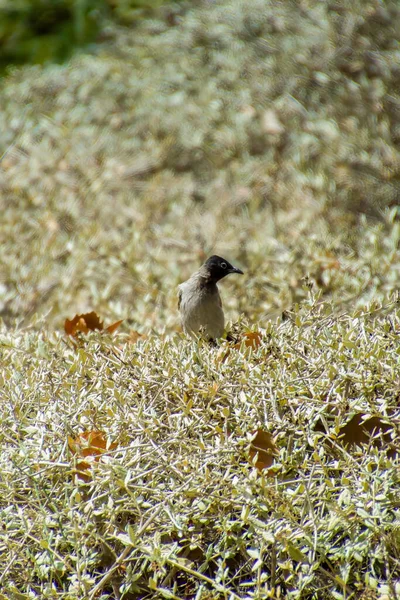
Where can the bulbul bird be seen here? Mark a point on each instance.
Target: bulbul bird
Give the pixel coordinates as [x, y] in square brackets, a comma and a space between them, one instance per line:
[199, 301]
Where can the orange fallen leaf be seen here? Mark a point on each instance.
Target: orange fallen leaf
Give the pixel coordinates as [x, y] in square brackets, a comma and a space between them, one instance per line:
[90, 443]
[264, 447]
[84, 323]
[88, 322]
[252, 339]
[114, 326]
[83, 470]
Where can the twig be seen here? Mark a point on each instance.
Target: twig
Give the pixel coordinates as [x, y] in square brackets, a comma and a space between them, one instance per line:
[120, 560]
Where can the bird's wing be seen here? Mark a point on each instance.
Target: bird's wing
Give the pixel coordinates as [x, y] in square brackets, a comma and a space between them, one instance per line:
[179, 298]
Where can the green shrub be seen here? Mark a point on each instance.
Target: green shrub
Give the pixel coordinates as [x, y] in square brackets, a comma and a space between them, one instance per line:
[37, 31]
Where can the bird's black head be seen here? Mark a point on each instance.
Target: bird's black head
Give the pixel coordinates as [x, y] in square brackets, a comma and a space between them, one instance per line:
[218, 267]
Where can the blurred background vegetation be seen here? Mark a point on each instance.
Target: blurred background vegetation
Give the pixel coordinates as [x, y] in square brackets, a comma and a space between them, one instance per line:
[268, 132]
[37, 31]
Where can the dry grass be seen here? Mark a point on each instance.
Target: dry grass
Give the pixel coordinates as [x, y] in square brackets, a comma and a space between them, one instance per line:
[264, 132]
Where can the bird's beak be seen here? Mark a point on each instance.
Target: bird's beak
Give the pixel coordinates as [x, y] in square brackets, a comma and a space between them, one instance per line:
[236, 270]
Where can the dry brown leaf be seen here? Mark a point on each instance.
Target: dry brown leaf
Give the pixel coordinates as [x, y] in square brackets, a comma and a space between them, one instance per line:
[88, 322]
[114, 326]
[83, 471]
[89, 444]
[83, 323]
[358, 431]
[252, 339]
[264, 446]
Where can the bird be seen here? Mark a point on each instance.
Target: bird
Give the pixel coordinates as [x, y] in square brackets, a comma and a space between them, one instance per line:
[199, 301]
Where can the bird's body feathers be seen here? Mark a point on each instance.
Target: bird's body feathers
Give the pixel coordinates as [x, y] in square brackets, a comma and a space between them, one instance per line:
[201, 308]
[199, 301]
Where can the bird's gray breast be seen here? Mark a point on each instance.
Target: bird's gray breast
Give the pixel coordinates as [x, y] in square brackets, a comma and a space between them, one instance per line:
[200, 307]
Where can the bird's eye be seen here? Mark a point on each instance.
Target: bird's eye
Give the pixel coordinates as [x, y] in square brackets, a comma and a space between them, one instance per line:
[223, 265]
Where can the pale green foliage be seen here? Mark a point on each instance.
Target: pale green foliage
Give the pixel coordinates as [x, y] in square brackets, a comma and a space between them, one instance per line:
[266, 132]
[183, 421]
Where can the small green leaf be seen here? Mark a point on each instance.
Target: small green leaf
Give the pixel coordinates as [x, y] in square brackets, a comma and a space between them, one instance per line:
[132, 534]
[295, 553]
